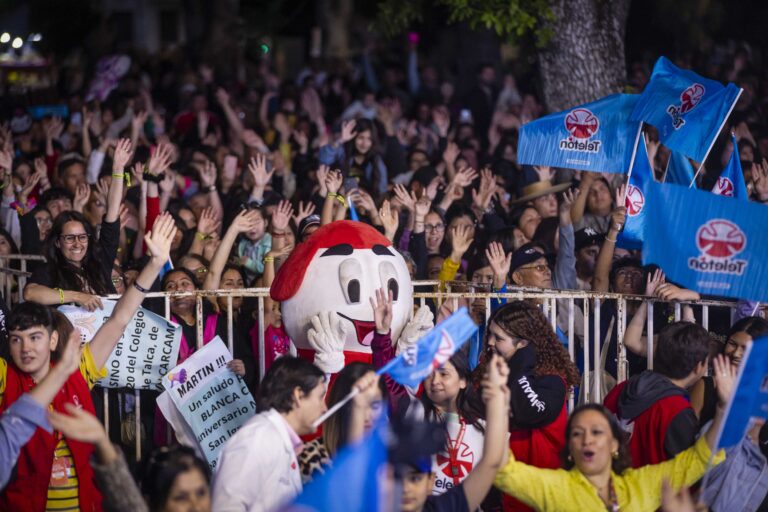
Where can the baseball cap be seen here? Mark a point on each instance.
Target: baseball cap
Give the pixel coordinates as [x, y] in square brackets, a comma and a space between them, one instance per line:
[588, 236]
[421, 464]
[526, 254]
[306, 222]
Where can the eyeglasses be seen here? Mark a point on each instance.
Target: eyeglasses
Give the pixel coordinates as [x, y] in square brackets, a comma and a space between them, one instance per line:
[45, 221]
[537, 268]
[438, 228]
[201, 270]
[117, 280]
[70, 239]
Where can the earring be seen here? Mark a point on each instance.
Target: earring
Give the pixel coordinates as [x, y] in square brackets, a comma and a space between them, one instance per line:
[570, 458]
[615, 454]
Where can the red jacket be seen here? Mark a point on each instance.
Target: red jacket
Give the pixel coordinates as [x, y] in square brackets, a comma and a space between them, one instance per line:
[28, 491]
[652, 428]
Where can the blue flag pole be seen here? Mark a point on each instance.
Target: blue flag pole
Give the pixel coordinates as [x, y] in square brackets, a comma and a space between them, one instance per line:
[701, 164]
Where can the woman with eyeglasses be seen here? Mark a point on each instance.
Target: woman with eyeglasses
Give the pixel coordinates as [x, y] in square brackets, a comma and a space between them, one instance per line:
[541, 375]
[79, 265]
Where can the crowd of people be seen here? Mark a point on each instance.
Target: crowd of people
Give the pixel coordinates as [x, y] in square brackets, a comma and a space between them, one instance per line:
[225, 179]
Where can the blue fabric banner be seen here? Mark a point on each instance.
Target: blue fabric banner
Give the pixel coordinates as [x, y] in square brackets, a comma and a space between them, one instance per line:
[631, 237]
[687, 109]
[731, 180]
[707, 243]
[596, 136]
[749, 402]
[432, 350]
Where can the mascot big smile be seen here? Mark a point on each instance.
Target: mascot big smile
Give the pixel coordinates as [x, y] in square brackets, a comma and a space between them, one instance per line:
[324, 289]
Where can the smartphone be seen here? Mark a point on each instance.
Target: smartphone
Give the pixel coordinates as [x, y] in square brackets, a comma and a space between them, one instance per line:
[465, 116]
[351, 185]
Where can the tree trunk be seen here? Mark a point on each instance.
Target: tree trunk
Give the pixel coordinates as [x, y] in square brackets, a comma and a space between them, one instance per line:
[584, 60]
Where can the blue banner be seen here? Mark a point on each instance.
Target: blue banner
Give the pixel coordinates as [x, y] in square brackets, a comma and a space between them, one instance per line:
[731, 180]
[749, 402]
[631, 237]
[432, 350]
[597, 137]
[687, 109]
[352, 484]
[679, 170]
[707, 243]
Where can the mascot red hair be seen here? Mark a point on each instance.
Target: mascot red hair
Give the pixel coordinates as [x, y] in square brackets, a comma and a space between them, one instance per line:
[324, 289]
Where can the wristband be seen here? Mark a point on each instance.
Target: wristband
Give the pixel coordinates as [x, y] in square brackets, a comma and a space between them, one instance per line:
[267, 259]
[210, 189]
[201, 236]
[61, 295]
[139, 287]
[612, 240]
[123, 176]
[340, 199]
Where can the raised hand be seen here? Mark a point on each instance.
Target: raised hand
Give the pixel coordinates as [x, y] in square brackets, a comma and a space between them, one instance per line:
[760, 179]
[138, 120]
[568, 198]
[654, 281]
[406, 198]
[237, 366]
[82, 194]
[29, 185]
[621, 195]
[544, 172]
[168, 182]
[160, 159]
[222, 97]
[322, 175]
[725, 378]
[422, 207]
[668, 291]
[138, 173]
[6, 161]
[252, 140]
[382, 310]
[209, 223]
[303, 212]
[481, 197]
[78, 424]
[159, 240]
[451, 153]
[245, 221]
[442, 120]
[431, 190]
[208, 175]
[333, 181]
[348, 130]
[258, 169]
[281, 216]
[389, 219]
[465, 177]
[366, 202]
[417, 327]
[462, 238]
[54, 128]
[499, 263]
[123, 153]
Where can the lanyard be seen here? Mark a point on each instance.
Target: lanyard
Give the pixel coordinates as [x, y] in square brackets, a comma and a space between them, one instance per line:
[453, 452]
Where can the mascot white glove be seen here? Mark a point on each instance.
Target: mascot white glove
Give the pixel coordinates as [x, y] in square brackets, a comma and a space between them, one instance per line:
[417, 327]
[326, 337]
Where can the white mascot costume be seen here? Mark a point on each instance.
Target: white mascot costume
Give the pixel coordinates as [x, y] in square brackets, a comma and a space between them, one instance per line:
[325, 287]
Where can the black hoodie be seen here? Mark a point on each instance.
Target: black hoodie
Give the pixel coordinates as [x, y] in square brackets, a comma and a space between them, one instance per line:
[644, 390]
[535, 401]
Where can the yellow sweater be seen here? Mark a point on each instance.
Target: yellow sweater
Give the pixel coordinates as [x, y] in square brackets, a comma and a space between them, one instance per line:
[637, 490]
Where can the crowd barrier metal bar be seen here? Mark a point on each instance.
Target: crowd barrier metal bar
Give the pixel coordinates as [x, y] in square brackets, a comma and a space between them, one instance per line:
[591, 303]
[22, 274]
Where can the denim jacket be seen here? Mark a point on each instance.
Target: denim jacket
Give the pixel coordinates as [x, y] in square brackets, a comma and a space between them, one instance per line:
[739, 483]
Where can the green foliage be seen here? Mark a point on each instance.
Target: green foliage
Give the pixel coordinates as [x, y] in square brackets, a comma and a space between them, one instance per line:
[510, 19]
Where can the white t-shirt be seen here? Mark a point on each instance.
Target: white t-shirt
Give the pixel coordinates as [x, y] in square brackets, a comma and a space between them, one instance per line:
[468, 447]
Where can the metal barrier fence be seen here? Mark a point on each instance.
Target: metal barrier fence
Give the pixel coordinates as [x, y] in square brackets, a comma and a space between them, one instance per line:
[587, 303]
[21, 274]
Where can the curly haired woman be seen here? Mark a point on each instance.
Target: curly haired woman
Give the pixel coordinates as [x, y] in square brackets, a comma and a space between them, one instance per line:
[540, 377]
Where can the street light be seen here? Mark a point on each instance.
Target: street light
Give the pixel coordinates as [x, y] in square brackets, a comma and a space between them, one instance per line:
[17, 42]
[5, 38]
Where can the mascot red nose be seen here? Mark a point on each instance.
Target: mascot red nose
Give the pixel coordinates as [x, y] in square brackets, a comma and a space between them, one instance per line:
[325, 287]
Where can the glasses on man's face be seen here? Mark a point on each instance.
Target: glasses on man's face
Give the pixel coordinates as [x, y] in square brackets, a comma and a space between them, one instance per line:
[538, 268]
[70, 239]
[437, 228]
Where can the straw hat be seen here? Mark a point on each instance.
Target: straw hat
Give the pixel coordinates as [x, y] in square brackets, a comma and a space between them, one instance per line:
[538, 189]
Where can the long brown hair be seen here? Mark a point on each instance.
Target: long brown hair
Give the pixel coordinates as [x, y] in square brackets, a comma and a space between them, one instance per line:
[524, 319]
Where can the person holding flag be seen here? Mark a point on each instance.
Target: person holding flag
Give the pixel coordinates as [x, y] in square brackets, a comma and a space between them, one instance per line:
[596, 473]
[731, 180]
[631, 237]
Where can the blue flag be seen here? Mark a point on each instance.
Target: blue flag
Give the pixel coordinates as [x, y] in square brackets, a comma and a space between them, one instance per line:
[432, 350]
[631, 237]
[597, 136]
[731, 180]
[351, 485]
[750, 400]
[707, 243]
[679, 170]
[687, 109]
